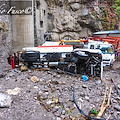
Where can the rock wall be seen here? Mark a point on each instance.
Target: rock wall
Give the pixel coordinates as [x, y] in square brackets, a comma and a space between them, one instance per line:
[72, 17]
[41, 24]
[5, 35]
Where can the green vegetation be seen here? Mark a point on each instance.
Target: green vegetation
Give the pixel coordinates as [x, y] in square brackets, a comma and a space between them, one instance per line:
[117, 6]
[109, 14]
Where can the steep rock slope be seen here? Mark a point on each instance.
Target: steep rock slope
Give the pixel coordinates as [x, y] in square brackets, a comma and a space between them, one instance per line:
[72, 17]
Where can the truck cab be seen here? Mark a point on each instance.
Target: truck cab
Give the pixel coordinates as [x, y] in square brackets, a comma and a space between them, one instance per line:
[108, 55]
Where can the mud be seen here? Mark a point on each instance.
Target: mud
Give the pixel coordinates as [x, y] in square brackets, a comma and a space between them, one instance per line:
[56, 92]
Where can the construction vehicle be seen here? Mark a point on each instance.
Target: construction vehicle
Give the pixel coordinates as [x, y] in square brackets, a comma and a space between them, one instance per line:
[112, 37]
[108, 42]
[108, 56]
[63, 57]
[78, 61]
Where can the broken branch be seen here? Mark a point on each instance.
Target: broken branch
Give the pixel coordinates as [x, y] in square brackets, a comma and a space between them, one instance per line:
[51, 87]
[87, 116]
[43, 103]
[102, 109]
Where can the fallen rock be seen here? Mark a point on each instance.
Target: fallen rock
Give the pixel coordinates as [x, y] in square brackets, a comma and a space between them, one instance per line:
[87, 98]
[49, 102]
[14, 91]
[2, 75]
[58, 76]
[117, 107]
[98, 82]
[119, 86]
[114, 101]
[44, 97]
[82, 94]
[63, 112]
[117, 98]
[54, 75]
[75, 6]
[36, 87]
[84, 86]
[5, 100]
[24, 68]
[58, 118]
[34, 79]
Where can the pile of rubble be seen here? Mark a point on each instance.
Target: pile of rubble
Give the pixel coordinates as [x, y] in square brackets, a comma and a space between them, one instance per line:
[36, 94]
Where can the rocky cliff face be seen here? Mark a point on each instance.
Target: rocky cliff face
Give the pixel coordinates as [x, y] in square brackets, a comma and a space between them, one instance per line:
[71, 17]
[5, 35]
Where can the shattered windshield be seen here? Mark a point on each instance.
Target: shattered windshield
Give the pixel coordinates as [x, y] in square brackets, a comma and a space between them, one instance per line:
[107, 50]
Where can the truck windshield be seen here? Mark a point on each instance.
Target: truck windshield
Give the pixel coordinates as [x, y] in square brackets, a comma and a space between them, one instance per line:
[107, 50]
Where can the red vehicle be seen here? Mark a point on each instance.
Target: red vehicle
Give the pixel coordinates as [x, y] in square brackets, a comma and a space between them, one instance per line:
[112, 37]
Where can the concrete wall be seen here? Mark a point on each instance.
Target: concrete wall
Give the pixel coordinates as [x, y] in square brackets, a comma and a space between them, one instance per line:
[22, 31]
[41, 20]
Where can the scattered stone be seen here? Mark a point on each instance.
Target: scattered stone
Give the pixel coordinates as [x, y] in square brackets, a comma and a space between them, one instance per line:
[49, 102]
[117, 107]
[81, 100]
[115, 114]
[82, 94]
[118, 113]
[29, 71]
[14, 91]
[87, 98]
[34, 79]
[106, 114]
[114, 101]
[58, 76]
[75, 6]
[84, 86]
[49, 72]
[55, 109]
[58, 118]
[54, 75]
[58, 112]
[112, 92]
[117, 98]
[63, 116]
[63, 112]
[43, 96]
[2, 75]
[45, 89]
[36, 87]
[119, 86]
[5, 100]
[11, 74]
[24, 68]
[98, 82]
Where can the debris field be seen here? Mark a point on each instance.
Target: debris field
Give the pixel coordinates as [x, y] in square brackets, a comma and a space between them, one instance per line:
[48, 95]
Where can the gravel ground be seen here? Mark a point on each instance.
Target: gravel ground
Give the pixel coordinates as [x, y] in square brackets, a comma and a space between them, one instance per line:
[50, 98]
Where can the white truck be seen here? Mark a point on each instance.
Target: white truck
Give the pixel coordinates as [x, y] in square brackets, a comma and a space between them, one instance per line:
[108, 55]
